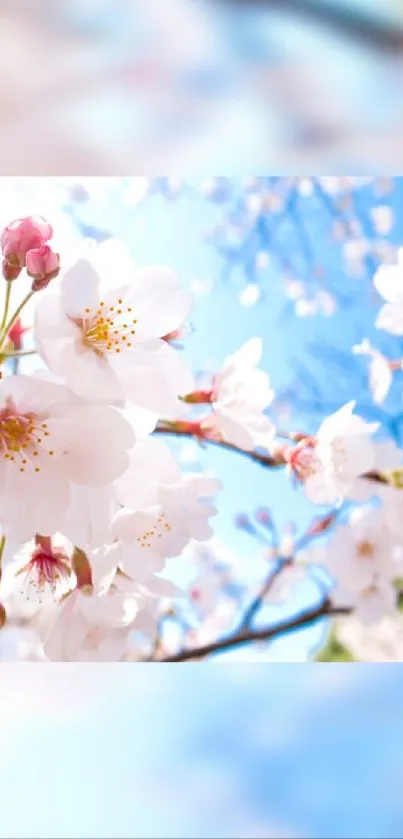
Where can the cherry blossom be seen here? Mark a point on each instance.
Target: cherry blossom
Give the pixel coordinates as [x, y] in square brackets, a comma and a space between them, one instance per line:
[388, 281]
[360, 555]
[48, 440]
[147, 537]
[103, 332]
[380, 372]
[43, 265]
[18, 238]
[90, 627]
[107, 547]
[330, 464]
[241, 393]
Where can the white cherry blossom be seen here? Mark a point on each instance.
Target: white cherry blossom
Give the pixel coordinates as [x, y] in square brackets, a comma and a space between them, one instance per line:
[48, 440]
[102, 333]
[331, 463]
[388, 282]
[39, 571]
[241, 393]
[380, 373]
[147, 537]
[91, 627]
[360, 555]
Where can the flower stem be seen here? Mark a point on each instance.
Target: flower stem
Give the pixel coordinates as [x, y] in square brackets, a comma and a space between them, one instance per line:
[18, 353]
[6, 306]
[4, 330]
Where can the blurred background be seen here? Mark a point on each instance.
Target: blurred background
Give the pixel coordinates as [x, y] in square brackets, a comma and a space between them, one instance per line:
[236, 752]
[151, 86]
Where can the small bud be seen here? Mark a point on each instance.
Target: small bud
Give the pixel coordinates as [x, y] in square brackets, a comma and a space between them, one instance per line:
[43, 265]
[10, 270]
[320, 525]
[21, 236]
[263, 516]
[199, 397]
[242, 521]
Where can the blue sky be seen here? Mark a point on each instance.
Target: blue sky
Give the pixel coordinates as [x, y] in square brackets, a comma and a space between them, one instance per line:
[140, 751]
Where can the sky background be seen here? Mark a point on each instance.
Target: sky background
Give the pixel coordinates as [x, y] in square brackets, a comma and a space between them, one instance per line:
[233, 751]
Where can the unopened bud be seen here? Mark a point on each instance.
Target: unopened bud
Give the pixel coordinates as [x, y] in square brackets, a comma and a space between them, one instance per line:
[43, 265]
[242, 521]
[21, 236]
[11, 270]
[320, 525]
[263, 516]
[199, 397]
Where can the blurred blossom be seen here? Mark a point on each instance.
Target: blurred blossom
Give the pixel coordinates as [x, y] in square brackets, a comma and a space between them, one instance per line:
[199, 287]
[250, 295]
[165, 85]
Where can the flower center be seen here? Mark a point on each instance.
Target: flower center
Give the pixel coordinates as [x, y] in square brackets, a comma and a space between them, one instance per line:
[160, 529]
[22, 438]
[303, 460]
[107, 328]
[46, 569]
[365, 549]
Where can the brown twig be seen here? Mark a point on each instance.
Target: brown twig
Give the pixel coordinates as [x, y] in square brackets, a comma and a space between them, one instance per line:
[266, 460]
[247, 636]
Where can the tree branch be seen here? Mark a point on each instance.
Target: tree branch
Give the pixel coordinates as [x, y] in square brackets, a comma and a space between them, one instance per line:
[257, 601]
[326, 609]
[266, 460]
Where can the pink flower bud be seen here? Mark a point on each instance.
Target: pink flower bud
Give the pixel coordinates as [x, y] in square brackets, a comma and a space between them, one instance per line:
[43, 265]
[21, 236]
[263, 516]
[199, 397]
[320, 525]
[242, 521]
[10, 270]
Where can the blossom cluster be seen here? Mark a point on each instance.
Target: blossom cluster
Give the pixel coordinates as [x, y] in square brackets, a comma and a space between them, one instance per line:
[94, 506]
[91, 507]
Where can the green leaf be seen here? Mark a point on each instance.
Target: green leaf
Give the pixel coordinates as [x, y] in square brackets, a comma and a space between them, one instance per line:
[395, 478]
[334, 650]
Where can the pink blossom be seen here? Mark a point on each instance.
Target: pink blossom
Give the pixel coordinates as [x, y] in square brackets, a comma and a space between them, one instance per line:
[21, 236]
[43, 265]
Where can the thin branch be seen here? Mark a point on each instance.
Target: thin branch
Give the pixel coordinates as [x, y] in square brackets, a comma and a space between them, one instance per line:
[267, 460]
[299, 621]
[257, 601]
[362, 27]
[263, 459]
